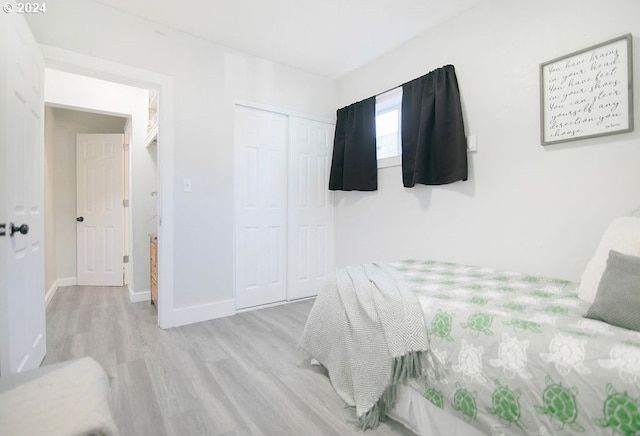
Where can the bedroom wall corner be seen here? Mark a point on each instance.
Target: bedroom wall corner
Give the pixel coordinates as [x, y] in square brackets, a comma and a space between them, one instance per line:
[525, 207]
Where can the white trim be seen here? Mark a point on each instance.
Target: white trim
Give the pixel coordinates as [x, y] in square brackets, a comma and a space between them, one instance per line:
[203, 312]
[69, 281]
[283, 111]
[137, 297]
[77, 63]
[385, 100]
[278, 303]
[48, 296]
[394, 161]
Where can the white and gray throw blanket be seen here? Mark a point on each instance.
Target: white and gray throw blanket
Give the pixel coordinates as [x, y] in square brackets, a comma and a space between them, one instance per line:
[367, 328]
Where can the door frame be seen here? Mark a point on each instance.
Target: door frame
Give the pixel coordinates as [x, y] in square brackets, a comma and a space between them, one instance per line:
[76, 63]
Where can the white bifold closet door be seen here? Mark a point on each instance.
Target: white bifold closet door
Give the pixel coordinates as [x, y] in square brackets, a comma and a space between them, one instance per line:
[311, 207]
[284, 210]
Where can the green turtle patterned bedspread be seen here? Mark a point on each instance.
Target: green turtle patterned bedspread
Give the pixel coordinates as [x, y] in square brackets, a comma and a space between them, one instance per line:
[519, 356]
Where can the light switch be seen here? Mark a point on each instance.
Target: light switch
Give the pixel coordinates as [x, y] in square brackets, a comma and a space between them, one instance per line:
[472, 143]
[186, 185]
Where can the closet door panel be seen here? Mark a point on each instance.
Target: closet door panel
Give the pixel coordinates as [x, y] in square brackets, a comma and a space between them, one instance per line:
[311, 208]
[261, 206]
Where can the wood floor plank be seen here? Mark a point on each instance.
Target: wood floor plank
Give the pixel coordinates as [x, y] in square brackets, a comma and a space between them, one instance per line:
[255, 406]
[140, 413]
[222, 414]
[237, 376]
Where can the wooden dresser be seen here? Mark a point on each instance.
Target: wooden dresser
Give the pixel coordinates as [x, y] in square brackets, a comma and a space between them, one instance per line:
[153, 258]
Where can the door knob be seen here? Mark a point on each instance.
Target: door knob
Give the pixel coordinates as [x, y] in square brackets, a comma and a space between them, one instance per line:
[80, 219]
[23, 229]
[3, 229]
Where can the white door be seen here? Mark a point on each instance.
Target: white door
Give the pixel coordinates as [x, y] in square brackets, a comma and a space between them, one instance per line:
[311, 207]
[22, 293]
[261, 207]
[100, 212]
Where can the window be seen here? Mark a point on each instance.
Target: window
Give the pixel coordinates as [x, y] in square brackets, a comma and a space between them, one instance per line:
[388, 138]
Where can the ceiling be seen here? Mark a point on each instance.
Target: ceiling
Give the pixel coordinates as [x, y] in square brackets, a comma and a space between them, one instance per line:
[326, 37]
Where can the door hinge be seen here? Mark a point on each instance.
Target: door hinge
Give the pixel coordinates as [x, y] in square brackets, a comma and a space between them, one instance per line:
[125, 259]
[125, 203]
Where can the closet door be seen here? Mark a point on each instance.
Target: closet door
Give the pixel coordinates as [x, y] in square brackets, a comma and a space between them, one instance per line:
[311, 207]
[261, 206]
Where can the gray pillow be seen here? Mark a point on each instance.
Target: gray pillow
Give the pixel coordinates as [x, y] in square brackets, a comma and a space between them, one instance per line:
[617, 301]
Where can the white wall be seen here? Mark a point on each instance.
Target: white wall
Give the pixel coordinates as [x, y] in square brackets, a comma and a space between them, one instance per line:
[208, 78]
[70, 90]
[525, 207]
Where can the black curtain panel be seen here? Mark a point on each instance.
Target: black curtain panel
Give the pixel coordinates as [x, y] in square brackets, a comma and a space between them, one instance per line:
[434, 146]
[354, 166]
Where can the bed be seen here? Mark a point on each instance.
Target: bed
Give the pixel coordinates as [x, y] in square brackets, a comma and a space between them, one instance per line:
[507, 353]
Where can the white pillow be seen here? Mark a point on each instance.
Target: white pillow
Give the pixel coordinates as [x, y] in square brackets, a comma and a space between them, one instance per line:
[623, 236]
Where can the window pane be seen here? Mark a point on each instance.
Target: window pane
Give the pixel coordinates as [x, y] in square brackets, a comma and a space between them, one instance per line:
[387, 146]
[388, 124]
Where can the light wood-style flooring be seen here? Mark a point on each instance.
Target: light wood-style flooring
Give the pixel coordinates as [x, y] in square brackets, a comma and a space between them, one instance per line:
[242, 375]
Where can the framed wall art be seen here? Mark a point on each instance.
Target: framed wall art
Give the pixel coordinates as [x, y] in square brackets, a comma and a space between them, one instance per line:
[588, 93]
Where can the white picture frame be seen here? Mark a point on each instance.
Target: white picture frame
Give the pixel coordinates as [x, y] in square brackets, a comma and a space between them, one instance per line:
[588, 93]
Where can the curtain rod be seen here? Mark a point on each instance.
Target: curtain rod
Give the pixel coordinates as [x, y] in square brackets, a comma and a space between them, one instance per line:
[388, 90]
[400, 86]
[373, 96]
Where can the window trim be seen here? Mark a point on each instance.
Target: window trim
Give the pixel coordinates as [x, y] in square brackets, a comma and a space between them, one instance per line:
[393, 161]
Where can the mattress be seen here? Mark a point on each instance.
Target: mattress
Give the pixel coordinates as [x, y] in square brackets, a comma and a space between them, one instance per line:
[519, 357]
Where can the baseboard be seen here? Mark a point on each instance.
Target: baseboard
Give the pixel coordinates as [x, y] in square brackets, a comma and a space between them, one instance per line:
[137, 297]
[203, 312]
[48, 296]
[277, 303]
[69, 281]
